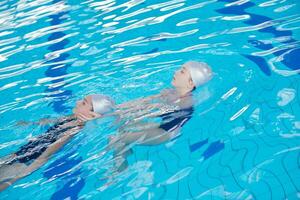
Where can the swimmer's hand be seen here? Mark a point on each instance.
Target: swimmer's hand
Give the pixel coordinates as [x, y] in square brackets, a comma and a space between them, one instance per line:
[84, 116]
[23, 123]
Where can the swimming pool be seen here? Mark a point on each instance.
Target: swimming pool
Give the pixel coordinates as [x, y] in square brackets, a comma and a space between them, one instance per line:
[243, 139]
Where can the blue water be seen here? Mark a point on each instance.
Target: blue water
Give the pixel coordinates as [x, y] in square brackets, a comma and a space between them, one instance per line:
[243, 139]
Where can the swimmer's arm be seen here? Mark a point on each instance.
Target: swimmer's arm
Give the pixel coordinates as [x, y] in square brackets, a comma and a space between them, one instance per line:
[139, 112]
[151, 136]
[42, 159]
[45, 156]
[136, 102]
[49, 151]
[138, 125]
[43, 121]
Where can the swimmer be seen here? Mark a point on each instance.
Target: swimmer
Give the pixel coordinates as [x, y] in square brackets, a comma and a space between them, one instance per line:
[38, 150]
[173, 106]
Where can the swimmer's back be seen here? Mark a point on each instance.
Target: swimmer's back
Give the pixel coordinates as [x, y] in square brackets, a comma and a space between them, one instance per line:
[180, 115]
[34, 148]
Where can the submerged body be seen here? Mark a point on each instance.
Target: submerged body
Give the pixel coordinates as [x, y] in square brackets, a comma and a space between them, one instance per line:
[174, 107]
[38, 150]
[36, 147]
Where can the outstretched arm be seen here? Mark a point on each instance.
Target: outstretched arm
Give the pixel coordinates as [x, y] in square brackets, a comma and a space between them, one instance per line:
[135, 103]
[148, 136]
[43, 121]
[50, 150]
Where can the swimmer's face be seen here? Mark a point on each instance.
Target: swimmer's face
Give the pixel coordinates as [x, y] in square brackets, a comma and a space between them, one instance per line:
[182, 79]
[84, 109]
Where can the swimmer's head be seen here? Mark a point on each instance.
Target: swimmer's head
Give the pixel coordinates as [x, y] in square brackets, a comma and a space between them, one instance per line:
[191, 75]
[200, 72]
[93, 106]
[102, 104]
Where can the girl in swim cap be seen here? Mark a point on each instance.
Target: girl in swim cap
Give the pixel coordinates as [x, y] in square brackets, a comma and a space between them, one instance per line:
[37, 151]
[191, 75]
[93, 106]
[175, 109]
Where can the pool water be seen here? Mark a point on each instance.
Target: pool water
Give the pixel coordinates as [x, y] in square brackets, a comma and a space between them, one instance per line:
[243, 139]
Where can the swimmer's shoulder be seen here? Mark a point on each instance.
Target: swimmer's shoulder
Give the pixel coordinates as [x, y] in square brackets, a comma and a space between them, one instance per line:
[168, 94]
[171, 96]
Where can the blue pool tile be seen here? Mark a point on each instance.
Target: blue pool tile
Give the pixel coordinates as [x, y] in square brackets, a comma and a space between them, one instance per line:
[261, 63]
[198, 145]
[213, 148]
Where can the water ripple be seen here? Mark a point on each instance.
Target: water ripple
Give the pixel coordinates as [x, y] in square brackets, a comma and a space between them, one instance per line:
[32, 16]
[188, 22]
[25, 5]
[159, 19]
[9, 41]
[160, 36]
[269, 3]
[172, 7]
[240, 112]
[34, 46]
[10, 85]
[138, 58]
[109, 6]
[132, 14]
[284, 8]
[282, 26]
[292, 45]
[253, 28]
[179, 175]
[48, 30]
[236, 18]
[56, 54]
[237, 3]
[6, 55]
[275, 62]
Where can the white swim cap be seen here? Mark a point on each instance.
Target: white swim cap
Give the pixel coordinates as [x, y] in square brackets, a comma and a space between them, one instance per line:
[200, 72]
[102, 104]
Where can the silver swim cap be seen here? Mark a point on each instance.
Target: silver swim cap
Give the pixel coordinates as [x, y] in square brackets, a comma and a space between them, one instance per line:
[200, 72]
[102, 104]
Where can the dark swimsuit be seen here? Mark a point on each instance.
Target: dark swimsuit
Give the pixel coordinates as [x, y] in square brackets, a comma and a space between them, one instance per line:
[176, 118]
[33, 149]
